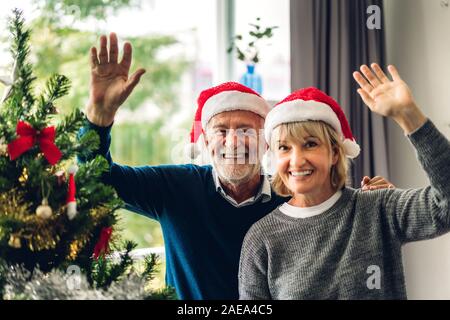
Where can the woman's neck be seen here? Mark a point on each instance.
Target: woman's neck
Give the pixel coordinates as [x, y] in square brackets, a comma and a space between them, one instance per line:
[304, 200]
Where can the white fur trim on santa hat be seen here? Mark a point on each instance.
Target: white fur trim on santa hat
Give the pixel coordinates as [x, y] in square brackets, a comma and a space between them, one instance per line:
[300, 110]
[233, 100]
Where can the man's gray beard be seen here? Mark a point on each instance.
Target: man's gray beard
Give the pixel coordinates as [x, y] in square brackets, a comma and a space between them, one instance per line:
[236, 174]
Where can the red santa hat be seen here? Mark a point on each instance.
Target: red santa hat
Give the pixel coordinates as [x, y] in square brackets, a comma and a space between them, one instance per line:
[312, 104]
[228, 96]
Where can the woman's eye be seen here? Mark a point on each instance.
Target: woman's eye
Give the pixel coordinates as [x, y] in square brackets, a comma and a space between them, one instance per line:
[311, 144]
[282, 148]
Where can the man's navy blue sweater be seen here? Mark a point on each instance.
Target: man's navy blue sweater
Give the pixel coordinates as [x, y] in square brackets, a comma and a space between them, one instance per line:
[203, 232]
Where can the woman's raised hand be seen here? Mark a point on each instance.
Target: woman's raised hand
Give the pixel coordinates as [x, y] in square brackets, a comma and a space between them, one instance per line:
[389, 98]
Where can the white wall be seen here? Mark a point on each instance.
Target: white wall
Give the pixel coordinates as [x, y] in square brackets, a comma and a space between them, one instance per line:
[418, 43]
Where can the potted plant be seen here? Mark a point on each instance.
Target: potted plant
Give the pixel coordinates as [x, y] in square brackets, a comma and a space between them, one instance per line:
[248, 50]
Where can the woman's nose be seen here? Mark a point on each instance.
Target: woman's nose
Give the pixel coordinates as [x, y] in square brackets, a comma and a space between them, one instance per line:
[297, 158]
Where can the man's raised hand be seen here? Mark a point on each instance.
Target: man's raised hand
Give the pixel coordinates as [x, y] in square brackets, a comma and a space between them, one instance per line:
[110, 83]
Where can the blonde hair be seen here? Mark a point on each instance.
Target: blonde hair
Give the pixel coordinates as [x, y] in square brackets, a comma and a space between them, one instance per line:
[297, 131]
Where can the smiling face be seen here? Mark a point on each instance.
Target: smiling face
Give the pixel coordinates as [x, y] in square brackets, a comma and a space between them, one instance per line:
[235, 143]
[306, 154]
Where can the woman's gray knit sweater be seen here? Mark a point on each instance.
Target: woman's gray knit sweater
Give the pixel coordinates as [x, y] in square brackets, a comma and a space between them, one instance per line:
[353, 250]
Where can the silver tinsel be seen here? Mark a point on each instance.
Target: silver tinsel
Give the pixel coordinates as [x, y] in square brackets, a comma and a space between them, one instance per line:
[57, 285]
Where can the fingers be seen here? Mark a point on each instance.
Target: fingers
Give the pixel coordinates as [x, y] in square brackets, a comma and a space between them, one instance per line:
[365, 180]
[375, 183]
[378, 187]
[373, 80]
[133, 81]
[362, 82]
[113, 48]
[94, 58]
[377, 180]
[379, 73]
[394, 73]
[127, 53]
[103, 55]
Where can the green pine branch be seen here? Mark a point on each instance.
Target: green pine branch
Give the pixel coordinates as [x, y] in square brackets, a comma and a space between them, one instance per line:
[57, 86]
[106, 271]
[66, 137]
[20, 49]
[150, 264]
[167, 293]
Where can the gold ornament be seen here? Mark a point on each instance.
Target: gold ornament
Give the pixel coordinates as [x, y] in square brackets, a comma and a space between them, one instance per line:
[37, 234]
[13, 206]
[75, 248]
[24, 176]
[44, 211]
[14, 242]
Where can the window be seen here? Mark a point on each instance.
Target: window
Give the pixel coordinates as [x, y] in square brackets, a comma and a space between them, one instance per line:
[274, 66]
[182, 44]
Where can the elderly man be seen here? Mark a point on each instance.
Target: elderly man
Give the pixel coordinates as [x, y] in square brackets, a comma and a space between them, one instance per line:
[204, 211]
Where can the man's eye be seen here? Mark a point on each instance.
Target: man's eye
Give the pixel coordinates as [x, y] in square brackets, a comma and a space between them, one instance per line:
[220, 132]
[250, 132]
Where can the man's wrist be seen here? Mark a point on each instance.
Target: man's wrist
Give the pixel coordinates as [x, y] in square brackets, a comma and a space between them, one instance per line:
[99, 119]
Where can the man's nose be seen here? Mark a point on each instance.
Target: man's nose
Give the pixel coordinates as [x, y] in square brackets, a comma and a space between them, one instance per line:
[232, 138]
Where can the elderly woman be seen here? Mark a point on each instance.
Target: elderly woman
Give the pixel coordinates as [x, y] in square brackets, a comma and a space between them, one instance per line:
[330, 241]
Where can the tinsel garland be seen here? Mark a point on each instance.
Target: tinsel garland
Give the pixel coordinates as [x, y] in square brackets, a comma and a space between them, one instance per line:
[57, 285]
[37, 234]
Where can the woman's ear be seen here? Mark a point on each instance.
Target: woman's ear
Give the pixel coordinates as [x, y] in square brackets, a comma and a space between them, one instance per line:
[335, 155]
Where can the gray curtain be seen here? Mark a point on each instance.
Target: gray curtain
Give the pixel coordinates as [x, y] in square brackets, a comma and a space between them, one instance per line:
[329, 41]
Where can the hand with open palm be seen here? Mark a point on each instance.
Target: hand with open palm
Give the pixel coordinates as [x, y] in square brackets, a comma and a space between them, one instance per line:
[389, 98]
[110, 82]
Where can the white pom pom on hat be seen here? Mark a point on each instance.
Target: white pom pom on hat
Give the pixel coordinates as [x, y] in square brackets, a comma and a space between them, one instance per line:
[311, 104]
[71, 201]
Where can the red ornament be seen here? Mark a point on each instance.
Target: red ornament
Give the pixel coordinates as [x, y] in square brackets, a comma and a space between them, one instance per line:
[28, 137]
[102, 246]
[71, 201]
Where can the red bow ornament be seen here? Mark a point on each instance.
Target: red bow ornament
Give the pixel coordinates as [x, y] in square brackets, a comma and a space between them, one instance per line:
[28, 137]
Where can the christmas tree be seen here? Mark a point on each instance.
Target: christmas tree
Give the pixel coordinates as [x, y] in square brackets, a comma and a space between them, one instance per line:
[54, 215]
